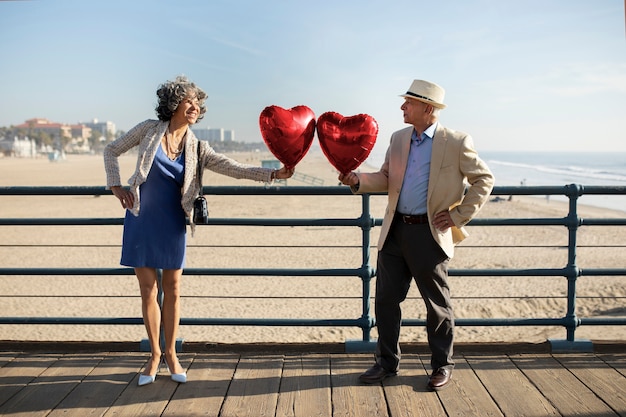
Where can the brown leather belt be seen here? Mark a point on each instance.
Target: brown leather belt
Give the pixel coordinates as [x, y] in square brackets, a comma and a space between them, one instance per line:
[413, 219]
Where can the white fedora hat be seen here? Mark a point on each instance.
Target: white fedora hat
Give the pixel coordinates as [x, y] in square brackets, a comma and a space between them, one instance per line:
[426, 92]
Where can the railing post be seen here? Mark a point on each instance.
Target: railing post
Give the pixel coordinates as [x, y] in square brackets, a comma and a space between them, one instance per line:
[573, 191]
[366, 319]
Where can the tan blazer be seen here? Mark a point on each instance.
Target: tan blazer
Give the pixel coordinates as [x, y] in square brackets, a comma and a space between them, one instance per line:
[454, 167]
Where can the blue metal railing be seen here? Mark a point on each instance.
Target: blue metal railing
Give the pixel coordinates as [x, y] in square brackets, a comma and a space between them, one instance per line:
[570, 321]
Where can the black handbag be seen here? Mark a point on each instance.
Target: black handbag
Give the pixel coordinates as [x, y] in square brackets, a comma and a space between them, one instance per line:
[200, 206]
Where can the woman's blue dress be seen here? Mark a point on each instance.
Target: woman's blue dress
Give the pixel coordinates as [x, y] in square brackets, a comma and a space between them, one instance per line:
[157, 237]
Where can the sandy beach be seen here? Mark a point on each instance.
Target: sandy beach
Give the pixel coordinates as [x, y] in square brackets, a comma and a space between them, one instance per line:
[288, 247]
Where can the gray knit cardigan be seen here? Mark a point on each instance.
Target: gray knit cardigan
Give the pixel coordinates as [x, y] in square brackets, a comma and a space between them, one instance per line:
[147, 137]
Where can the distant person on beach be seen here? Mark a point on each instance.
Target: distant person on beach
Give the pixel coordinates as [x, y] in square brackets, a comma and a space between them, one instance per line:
[161, 197]
[425, 172]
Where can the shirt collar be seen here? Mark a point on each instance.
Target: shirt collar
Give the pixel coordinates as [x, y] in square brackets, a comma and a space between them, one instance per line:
[428, 133]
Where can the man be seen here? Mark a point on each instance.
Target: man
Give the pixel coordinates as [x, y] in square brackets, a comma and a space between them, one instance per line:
[436, 184]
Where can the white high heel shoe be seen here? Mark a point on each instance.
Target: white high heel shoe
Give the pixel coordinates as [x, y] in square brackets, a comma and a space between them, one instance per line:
[180, 378]
[146, 379]
[149, 379]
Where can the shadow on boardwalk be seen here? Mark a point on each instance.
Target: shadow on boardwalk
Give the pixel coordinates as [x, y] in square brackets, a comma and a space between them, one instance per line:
[309, 380]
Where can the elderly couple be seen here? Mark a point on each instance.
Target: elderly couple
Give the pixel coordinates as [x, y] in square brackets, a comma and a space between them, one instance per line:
[435, 181]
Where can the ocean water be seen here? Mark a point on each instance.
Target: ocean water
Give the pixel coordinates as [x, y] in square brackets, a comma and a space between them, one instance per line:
[556, 168]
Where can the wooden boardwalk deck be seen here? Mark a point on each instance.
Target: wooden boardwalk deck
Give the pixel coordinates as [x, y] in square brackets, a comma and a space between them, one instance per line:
[504, 381]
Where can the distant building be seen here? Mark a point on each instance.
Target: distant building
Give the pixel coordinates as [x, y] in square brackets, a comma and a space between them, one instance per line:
[56, 130]
[214, 135]
[106, 129]
[201, 133]
[229, 136]
[77, 134]
[23, 148]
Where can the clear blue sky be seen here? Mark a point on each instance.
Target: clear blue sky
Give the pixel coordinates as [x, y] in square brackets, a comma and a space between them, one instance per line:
[519, 75]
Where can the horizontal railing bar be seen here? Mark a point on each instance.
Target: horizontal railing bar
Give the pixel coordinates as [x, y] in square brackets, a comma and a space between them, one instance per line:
[191, 245]
[215, 297]
[80, 221]
[602, 222]
[602, 271]
[111, 221]
[183, 321]
[557, 221]
[54, 190]
[62, 222]
[353, 272]
[270, 322]
[41, 245]
[539, 272]
[209, 190]
[71, 320]
[559, 190]
[469, 322]
[603, 321]
[473, 322]
[67, 271]
[325, 297]
[316, 190]
[603, 189]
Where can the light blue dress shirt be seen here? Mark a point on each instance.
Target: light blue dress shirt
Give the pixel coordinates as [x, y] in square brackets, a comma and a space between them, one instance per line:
[414, 191]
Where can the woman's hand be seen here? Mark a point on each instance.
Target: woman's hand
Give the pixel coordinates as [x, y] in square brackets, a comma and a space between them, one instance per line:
[125, 196]
[283, 173]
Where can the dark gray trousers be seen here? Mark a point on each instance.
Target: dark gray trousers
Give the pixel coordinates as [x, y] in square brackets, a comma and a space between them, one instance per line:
[410, 252]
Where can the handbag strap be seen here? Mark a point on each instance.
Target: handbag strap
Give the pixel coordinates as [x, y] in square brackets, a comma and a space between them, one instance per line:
[199, 166]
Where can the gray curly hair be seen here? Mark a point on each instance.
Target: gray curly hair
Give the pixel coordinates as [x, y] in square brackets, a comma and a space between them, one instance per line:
[172, 93]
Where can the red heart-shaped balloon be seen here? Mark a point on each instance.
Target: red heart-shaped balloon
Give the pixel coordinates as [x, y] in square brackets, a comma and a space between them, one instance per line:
[346, 141]
[288, 133]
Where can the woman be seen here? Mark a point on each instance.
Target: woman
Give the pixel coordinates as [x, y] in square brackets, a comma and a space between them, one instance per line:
[161, 195]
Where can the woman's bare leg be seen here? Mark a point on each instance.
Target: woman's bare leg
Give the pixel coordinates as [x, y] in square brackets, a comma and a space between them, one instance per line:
[151, 313]
[171, 316]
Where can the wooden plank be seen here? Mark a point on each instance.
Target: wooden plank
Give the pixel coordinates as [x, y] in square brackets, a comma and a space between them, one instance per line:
[350, 397]
[407, 393]
[466, 395]
[254, 388]
[99, 390]
[208, 379]
[514, 394]
[564, 391]
[606, 382]
[15, 375]
[51, 386]
[147, 400]
[6, 357]
[305, 387]
[616, 361]
[32, 384]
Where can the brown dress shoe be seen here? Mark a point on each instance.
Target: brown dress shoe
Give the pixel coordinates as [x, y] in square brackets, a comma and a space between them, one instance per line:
[375, 374]
[439, 379]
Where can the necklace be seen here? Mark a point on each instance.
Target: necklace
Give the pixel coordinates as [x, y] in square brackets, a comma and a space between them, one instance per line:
[173, 152]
